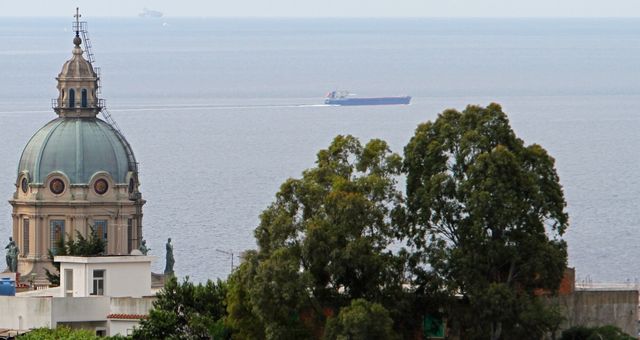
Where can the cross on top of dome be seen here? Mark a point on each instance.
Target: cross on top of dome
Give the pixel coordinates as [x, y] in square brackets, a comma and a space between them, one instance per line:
[77, 41]
[77, 16]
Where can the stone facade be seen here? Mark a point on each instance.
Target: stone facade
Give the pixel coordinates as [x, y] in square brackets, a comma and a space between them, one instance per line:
[593, 308]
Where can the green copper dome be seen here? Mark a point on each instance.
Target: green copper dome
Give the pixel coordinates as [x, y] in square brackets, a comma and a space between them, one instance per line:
[79, 148]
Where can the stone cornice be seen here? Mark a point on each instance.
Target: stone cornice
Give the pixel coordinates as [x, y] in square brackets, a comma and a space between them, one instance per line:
[43, 203]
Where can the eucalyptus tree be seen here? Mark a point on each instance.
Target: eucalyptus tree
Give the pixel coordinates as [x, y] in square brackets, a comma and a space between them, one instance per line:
[323, 242]
[485, 217]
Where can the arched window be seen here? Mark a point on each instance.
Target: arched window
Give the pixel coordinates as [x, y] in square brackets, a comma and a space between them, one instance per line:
[72, 98]
[57, 234]
[84, 97]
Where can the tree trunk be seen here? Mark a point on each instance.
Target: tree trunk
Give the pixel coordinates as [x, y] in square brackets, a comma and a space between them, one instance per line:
[496, 330]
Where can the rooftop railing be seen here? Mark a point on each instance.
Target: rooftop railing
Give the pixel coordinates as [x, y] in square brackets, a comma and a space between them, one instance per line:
[60, 104]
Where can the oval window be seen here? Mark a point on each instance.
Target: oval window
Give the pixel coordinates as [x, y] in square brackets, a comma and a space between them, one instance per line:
[56, 186]
[101, 186]
[24, 185]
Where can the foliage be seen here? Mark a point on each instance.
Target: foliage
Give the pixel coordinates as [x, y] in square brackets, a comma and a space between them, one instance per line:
[80, 246]
[186, 311]
[242, 319]
[362, 320]
[323, 242]
[595, 333]
[483, 219]
[54, 278]
[66, 333]
[485, 214]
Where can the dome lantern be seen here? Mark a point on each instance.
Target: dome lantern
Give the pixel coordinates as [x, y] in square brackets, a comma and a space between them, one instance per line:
[77, 84]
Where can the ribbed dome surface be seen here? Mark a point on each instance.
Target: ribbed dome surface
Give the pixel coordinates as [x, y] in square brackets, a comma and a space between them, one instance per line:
[77, 67]
[77, 147]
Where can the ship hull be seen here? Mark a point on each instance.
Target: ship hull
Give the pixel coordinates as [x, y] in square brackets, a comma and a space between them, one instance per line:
[368, 101]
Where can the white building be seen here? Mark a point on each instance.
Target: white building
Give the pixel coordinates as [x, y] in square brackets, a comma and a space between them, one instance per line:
[107, 294]
[115, 276]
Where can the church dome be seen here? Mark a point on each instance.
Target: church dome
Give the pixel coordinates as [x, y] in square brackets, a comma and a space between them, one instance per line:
[77, 173]
[78, 148]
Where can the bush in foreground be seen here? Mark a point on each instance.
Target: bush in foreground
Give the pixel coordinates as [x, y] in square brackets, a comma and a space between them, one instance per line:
[66, 333]
[362, 320]
[595, 333]
[185, 310]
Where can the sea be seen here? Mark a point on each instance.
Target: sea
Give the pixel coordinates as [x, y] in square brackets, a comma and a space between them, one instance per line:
[220, 112]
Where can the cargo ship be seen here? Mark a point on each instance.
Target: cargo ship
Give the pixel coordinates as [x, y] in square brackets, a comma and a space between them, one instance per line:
[345, 98]
[149, 13]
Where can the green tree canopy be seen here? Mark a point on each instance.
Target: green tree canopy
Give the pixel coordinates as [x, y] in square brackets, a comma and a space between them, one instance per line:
[362, 320]
[322, 243]
[485, 216]
[186, 311]
[66, 333]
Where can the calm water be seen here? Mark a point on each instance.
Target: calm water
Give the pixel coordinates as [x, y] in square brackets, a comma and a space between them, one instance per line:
[221, 112]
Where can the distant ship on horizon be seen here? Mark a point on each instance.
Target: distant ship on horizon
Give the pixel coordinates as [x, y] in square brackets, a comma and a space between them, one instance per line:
[346, 98]
[149, 13]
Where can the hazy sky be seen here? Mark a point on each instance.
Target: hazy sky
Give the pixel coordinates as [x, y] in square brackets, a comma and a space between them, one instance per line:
[328, 8]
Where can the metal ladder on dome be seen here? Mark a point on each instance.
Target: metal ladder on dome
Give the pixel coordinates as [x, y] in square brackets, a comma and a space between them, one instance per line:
[81, 28]
[133, 166]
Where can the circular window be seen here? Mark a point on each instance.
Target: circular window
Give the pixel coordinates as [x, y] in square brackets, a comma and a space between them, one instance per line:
[101, 186]
[56, 186]
[24, 185]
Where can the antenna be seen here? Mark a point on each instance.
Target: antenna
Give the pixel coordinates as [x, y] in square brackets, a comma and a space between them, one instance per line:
[228, 253]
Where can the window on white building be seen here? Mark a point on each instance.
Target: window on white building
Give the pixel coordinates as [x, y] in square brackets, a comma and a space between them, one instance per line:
[68, 282]
[98, 282]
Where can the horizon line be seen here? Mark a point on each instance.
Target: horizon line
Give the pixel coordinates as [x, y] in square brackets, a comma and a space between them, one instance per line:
[319, 17]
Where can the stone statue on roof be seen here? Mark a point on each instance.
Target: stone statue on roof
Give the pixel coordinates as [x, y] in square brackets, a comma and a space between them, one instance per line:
[143, 247]
[12, 255]
[170, 261]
